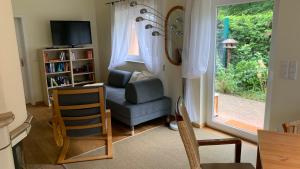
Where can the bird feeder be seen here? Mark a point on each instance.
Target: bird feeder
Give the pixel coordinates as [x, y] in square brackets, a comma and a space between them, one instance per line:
[229, 44]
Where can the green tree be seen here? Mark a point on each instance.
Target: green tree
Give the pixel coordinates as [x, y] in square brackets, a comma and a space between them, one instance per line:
[247, 9]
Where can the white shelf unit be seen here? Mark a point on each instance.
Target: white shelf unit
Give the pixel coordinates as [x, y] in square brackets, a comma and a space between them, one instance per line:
[68, 67]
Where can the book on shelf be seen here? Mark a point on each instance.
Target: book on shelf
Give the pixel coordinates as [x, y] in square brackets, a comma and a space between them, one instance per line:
[89, 54]
[90, 67]
[91, 77]
[73, 56]
[67, 67]
[53, 83]
[57, 67]
[58, 81]
[50, 68]
[62, 56]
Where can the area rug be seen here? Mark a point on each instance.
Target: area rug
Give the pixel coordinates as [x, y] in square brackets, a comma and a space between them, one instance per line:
[162, 148]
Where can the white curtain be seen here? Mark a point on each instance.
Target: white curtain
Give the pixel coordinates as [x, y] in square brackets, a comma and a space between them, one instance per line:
[121, 21]
[150, 46]
[196, 51]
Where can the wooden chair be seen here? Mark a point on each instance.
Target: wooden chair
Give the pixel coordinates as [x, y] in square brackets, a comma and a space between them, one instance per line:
[79, 113]
[292, 127]
[191, 144]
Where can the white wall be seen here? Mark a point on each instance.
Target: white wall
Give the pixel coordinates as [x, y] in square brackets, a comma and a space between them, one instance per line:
[2, 101]
[11, 86]
[172, 74]
[36, 15]
[285, 94]
[103, 15]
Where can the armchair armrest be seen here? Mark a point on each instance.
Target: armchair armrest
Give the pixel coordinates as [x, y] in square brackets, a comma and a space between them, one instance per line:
[144, 91]
[236, 141]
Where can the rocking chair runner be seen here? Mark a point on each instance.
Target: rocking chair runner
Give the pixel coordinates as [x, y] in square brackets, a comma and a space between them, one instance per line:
[191, 144]
[80, 112]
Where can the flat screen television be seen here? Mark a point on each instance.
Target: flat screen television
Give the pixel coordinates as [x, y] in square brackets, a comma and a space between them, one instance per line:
[71, 33]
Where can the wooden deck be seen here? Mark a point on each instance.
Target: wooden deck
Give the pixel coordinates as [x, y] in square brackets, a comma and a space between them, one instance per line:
[240, 113]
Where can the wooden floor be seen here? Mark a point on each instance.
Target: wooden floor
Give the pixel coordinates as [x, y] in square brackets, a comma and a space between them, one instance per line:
[40, 148]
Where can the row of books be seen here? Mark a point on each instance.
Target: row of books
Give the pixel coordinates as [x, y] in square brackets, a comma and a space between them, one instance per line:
[58, 81]
[88, 55]
[57, 67]
[62, 56]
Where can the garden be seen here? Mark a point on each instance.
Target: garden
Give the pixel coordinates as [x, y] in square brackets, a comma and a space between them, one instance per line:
[245, 74]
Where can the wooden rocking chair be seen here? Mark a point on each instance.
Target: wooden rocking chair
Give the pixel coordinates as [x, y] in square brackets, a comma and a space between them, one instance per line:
[79, 113]
[292, 127]
[191, 144]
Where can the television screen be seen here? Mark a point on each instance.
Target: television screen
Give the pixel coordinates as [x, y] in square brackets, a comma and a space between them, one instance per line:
[71, 33]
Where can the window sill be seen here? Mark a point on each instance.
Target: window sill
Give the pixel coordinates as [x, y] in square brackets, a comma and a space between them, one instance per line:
[135, 61]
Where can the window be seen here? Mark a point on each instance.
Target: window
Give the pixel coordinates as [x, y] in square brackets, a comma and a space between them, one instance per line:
[134, 48]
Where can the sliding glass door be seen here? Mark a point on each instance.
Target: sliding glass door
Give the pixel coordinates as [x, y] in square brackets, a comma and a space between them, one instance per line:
[238, 71]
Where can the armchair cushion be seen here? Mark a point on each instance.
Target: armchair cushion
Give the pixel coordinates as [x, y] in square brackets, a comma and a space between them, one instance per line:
[119, 78]
[144, 91]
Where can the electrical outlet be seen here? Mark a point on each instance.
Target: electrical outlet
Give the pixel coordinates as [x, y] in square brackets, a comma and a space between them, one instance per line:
[284, 69]
[293, 70]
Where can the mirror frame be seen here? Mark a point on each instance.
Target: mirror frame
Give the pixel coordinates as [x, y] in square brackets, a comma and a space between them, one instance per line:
[166, 34]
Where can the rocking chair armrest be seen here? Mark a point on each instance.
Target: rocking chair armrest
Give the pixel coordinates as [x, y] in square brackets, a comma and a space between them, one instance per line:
[236, 141]
[219, 141]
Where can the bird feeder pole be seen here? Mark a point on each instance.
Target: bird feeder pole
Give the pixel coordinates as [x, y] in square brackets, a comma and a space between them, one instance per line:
[228, 45]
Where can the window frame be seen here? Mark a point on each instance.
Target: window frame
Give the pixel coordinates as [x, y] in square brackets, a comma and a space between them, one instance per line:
[211, 72]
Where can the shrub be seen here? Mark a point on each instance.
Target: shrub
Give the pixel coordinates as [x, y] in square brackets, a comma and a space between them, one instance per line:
[251, 75]
[254, 31]
[248, 79]
[262, 75]
[246, 72]
[225, 82]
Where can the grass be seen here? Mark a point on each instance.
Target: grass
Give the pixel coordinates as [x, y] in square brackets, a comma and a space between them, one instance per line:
[250, 94]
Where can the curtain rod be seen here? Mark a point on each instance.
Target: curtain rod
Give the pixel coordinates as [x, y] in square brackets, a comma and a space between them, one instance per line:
[113, 2]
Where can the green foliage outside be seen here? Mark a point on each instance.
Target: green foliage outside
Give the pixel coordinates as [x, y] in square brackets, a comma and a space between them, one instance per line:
[251, 26]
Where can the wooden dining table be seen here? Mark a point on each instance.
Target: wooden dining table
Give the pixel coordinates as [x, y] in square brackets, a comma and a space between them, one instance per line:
[279, 150]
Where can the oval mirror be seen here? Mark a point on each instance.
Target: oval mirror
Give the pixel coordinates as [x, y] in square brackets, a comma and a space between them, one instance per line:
[174, 34]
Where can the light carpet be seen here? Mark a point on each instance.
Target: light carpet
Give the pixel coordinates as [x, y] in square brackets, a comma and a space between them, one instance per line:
[162, 148]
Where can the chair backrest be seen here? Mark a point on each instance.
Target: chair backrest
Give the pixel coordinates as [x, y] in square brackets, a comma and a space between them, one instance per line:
[80, 110]
[292, 127]
[187, 134]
